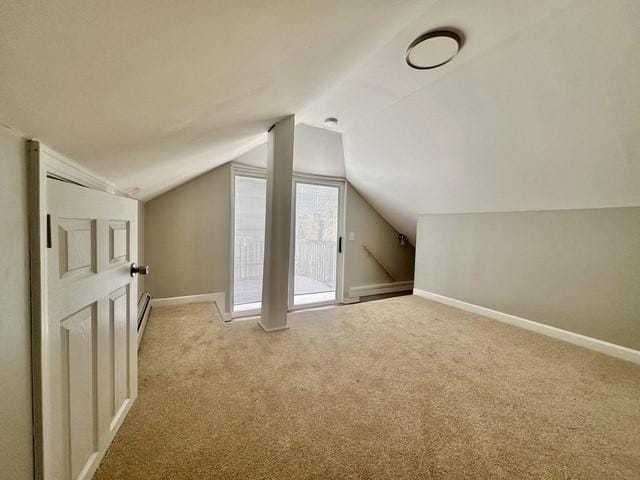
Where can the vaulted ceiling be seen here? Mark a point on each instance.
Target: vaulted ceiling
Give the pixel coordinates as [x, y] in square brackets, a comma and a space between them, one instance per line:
[540, 110]
[151, 93]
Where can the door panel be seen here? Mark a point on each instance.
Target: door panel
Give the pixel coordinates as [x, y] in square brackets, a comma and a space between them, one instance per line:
[90, 379]
[78, 355]
[118, 242]
[118, 323]
[77, 247]
[315, 273]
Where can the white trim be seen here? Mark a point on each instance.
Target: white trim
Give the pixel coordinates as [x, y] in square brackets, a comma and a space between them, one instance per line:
[310, 305]
[601, 346]
[248, 170]
[242, 314]
[270, 330]
[38, 282]
[64, 167]
[218, 298]
[365, 290]
[348, 300]
[251, 170]
[342, 233]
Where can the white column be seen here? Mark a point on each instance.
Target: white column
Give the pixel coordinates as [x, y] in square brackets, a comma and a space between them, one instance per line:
[275, 285]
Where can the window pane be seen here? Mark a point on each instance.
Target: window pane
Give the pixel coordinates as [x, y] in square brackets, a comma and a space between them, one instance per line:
[248, 248]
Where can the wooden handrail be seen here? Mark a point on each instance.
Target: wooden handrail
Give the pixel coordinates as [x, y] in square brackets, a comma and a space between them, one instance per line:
[387, 272]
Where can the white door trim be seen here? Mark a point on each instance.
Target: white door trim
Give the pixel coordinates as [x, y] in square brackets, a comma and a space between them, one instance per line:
[59, 166]
[45, 162]
[601, 346]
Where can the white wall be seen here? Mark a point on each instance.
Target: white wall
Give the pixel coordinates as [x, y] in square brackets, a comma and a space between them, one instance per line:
[16, 452]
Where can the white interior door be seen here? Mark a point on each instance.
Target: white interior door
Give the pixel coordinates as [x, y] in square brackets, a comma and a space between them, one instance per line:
[88, 345]
[315, 276]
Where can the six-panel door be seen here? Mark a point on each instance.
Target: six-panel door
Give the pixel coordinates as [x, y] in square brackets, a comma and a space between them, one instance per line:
[90, 340]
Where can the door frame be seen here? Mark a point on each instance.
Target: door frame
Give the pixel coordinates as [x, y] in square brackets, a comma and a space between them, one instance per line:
[46, 163]
[341, 184]
[258, 172]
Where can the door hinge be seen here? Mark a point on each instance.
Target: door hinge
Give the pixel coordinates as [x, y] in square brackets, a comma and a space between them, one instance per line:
[48, 230]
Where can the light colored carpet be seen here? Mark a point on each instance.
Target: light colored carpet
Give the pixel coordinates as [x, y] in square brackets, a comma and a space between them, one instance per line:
[399, 388]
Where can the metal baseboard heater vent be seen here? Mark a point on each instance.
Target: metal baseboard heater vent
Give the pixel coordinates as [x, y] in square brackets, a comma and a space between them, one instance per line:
[144, 308]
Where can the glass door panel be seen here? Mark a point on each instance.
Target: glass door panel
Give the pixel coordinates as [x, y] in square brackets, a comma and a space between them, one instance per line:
[317, 212]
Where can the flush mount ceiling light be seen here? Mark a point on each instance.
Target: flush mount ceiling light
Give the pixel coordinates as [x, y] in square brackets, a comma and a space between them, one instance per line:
[433, 49]
[330, 122]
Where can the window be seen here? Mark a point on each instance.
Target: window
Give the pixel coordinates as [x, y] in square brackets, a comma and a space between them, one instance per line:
[248, 246]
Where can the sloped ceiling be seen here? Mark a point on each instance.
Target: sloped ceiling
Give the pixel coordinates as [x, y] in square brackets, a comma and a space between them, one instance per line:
[540, 110]
[151, 93]
[316, 151]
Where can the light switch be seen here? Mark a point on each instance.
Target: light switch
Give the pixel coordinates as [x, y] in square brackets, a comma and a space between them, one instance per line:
[352, 236]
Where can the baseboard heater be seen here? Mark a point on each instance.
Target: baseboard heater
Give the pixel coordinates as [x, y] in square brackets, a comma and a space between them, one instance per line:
[144, 308]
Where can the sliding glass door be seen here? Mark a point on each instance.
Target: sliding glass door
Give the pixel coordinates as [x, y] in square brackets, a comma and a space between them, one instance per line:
[317, 243]
[250, 195]
[315, 274]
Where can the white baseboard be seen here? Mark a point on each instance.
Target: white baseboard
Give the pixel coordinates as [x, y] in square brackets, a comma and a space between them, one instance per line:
[601, 346]
[364, 290]
[276, 329]
[217, 297]
[348, 300]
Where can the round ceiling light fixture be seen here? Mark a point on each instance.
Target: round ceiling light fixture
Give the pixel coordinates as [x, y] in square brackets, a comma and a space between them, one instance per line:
[433, 49]
[330, 122]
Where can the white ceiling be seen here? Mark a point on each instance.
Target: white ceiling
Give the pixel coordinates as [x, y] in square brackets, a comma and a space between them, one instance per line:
[540, 110]
[150, 94]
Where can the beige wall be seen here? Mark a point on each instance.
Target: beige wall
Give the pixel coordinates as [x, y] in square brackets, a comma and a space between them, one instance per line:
[187, 237]
[578, 270]
[370, 228]
[16, 454]
[141, 261]
[187, 240]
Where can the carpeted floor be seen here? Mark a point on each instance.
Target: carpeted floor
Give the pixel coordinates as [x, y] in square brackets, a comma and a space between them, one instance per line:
[398, 388]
